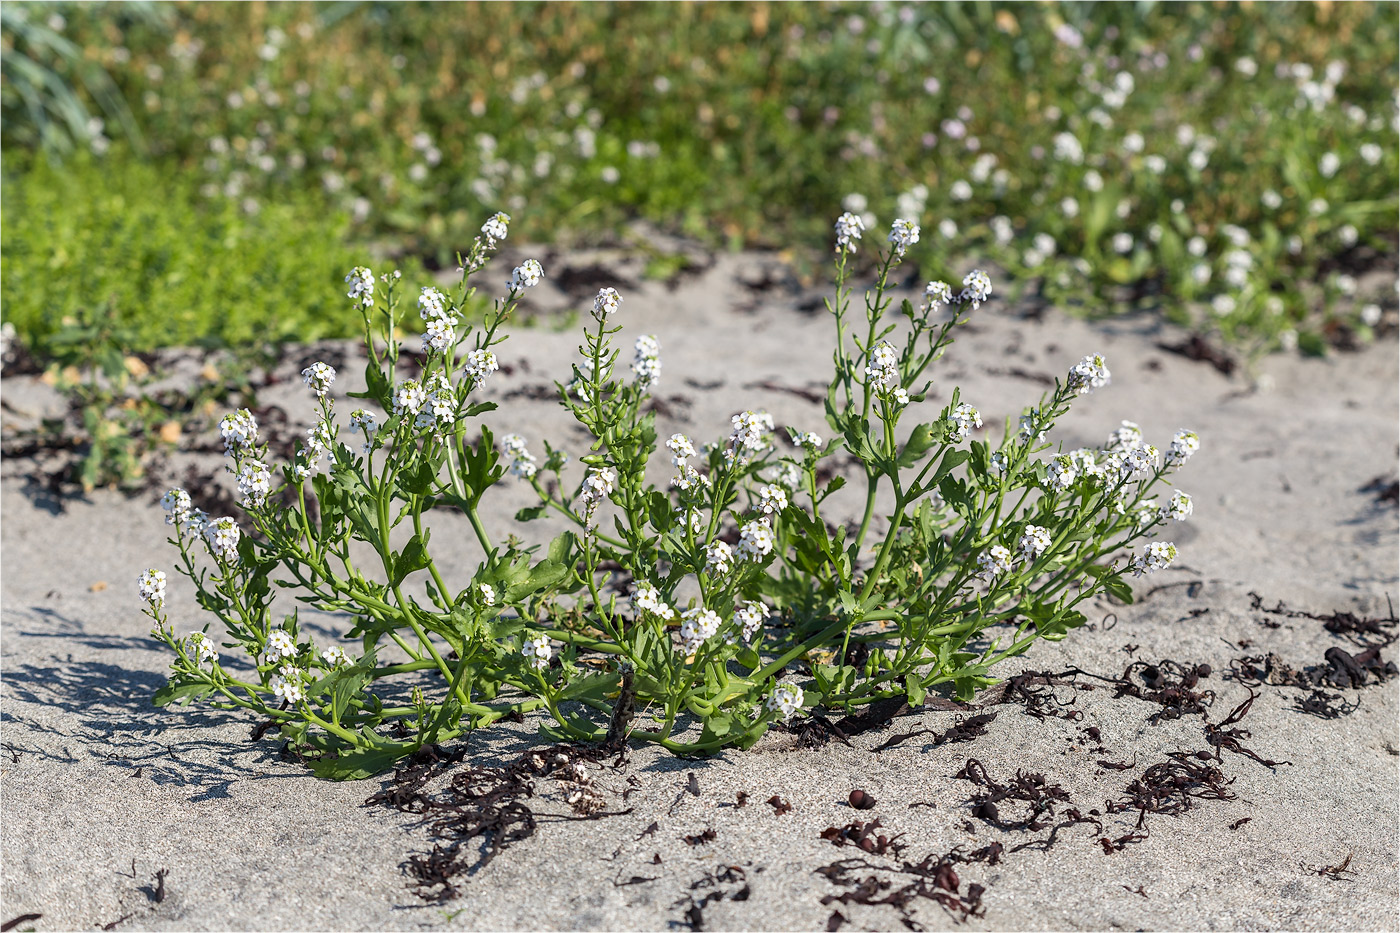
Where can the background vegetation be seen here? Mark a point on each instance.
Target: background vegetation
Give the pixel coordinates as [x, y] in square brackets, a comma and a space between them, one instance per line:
[1233, 165]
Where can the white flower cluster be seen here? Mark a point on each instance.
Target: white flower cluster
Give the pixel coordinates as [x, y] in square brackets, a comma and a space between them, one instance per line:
[495, 229]
[522, 463]
[752, 430]
[335, 656]
[698, 625]
[319, 377]
[1089, 374]
[936, 295]
[1062, 472]
[903, 234]
[785, 700]
[719, 558]
[849, 227]
[433, 405]
[537, 652]
[1126, 437]
[993, 562]
[963, 419]
[1031, 424]
[977, 288]
[1179, 508]
[883, 373]
[199, 645]
[254, 482]
[361, 282]
[750, 618]
[1184, 444]
[479, 364]
[151, 586]
[606, 304]
[646, 598]
[222, 536]
[755, 541]
[362, 421]
[177, 505]
[808, 440]
[1157, 556]
[772, 498]
[287, 685]
[526, 275]
[597, 485]
[435, 311]
[646, 362]
[240, 431]
[1035, 540]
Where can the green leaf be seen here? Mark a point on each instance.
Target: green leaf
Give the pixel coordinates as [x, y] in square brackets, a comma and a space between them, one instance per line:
[361, 763]
[529, 514]
[918, 444]
[413, 558]
[185, 693]
[914, 689]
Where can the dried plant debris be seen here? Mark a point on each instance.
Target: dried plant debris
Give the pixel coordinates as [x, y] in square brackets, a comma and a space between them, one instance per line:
[1384, 489]
[487, 804]
[1039, 796]
[865, 836]
[1364, 632]
[731, 881]
[1032, 692]
[1340, 670]
[1171, 786]
[816, 730]
[1227, 735]
[934, 876]
[1334, 872]
[963, 730]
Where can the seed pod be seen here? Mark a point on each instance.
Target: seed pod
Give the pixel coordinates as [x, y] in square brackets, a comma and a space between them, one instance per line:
[860, 800]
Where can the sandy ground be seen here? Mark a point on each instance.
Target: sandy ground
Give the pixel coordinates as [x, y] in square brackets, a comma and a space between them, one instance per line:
[101, 791]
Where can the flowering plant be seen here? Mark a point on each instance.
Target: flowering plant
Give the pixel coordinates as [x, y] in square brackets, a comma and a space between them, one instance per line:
[693, 615]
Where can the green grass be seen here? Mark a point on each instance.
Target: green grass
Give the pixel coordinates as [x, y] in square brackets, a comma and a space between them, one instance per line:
[170, 265]
[752, 124]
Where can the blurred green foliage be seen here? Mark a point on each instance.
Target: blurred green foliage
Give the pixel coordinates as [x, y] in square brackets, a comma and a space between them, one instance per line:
[1231, 164]
[171, 267]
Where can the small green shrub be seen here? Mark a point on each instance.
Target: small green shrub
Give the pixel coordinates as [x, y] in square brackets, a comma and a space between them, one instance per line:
[175, 267]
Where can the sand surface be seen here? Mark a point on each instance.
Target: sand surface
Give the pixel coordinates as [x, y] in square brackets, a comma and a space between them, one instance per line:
[100, 791]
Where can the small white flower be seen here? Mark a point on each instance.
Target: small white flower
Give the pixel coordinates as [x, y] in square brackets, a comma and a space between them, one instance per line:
[1371, 154]
[998, 463]
[409, 397]
[1179, 508]
[1370, 315]
[1089, 374]
[1184, 444]
[1329, 164]
[364, 422]
[1157, 556]
[718, 558]
[1122, 243]
[646, 598]
[1031, 424]
[438, 335]
[361, 282]
[785, 700]
[755, 541]
[254, 482]
[1062, 472]
[597, 486]
[849, 227]
[963, 419]
[526, 275]
[977, 288]
[335, 656]
[177, 504]
[199, 645]
[606, 304]
[936, 295]
[752, 430]
[698, 626]
[479, 364]
[432, 305]
[151, 586]
[222, 535]
[280, 644]
[286, 685]
[522, 463]
[681, 449]
[1125, 437]
[537, 652]
[1035, 540]
[319, 377]
[488, 594]
[646, 361]
[750, 618]
[1271, 199]
[903, 234]
[239, 430]
[811, 441]
[495, 229]
[772, 498]
[993, 562]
